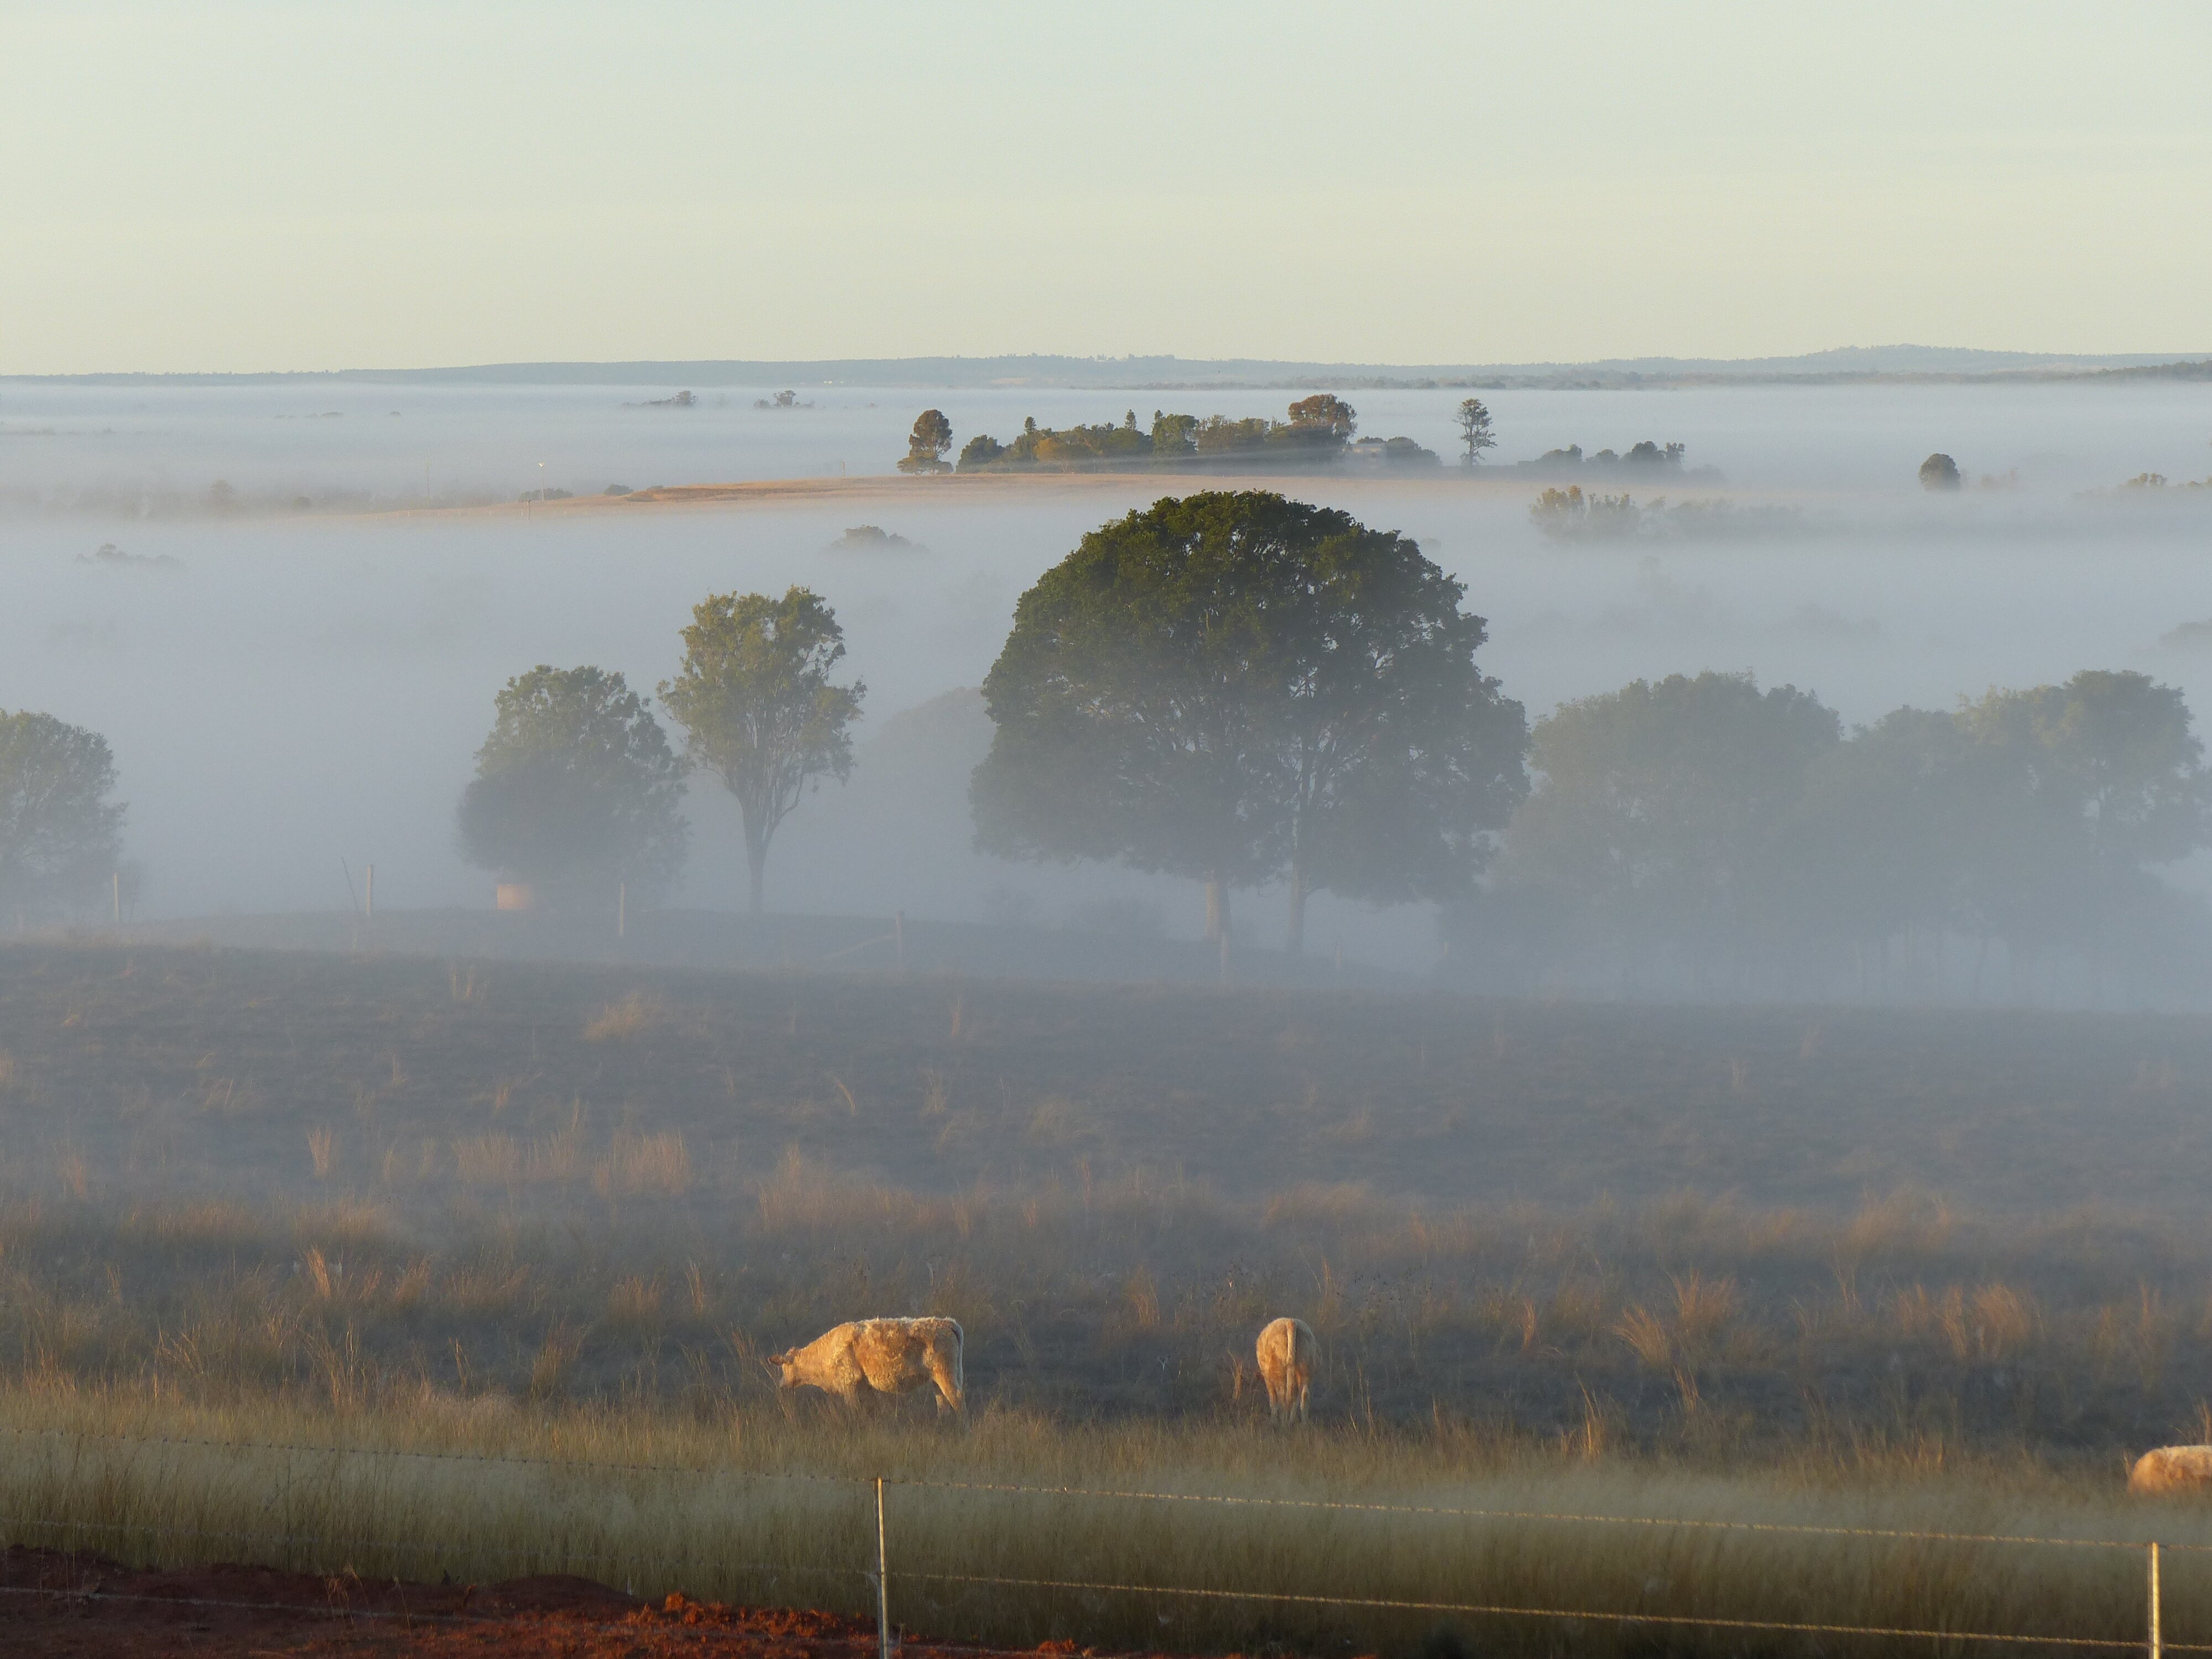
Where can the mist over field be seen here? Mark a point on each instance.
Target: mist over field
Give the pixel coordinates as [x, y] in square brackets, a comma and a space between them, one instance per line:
[1317, 877]
[292, 642]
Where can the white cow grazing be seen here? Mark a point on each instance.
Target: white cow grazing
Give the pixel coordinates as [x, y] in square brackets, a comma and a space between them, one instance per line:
[2172, 1469]
[886, 1356]
[1286, 1351]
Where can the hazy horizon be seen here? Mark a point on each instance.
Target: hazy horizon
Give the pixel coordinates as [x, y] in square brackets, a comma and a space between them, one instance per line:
[270, 187]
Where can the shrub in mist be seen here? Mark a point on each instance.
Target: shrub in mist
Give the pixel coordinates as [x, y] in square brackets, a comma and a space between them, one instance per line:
[60, 835]
[1939, 471]
[577, 789]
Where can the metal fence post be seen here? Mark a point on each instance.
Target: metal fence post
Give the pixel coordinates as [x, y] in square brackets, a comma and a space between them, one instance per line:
[884, 1595]
[2157, 1643]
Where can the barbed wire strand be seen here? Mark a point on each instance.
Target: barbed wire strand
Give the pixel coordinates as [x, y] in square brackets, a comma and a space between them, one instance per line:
[1383, 1603]
[1801, 1528]
[1550, 1515]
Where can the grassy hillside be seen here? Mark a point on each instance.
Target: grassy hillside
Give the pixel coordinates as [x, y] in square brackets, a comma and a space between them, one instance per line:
[1721, 1232]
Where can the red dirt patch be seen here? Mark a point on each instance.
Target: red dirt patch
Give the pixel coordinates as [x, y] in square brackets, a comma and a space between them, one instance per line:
[79, 1607]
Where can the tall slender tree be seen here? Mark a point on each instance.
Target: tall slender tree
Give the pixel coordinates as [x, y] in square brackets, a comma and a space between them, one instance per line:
[758, 709]
[1474, 434]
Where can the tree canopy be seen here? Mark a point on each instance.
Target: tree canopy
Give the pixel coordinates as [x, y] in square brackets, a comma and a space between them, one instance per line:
[1235, 687]
[60, 836]
[758, 709]
[1318, 431]
[926, 444]
[1704, 826]
[577, 789]
[1939, 471]
[1663, 812]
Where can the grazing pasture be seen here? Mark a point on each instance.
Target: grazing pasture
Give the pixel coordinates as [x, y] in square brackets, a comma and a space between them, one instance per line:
[1792, 1263]
[233, 1171]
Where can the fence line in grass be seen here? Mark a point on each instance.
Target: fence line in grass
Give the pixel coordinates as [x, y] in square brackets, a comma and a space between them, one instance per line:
[1139, 1495]
[881, 1573]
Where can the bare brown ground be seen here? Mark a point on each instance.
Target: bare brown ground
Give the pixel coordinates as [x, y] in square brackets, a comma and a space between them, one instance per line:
[79, 1607]
[984, 489]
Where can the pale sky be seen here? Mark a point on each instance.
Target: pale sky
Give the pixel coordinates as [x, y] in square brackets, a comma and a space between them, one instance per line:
[210, 186]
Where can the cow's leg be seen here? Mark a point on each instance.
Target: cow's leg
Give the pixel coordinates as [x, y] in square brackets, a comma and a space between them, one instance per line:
[948, 1386]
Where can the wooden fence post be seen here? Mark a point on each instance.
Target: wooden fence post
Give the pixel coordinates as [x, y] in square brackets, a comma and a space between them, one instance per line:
[883, 1586]
[2157, 1642]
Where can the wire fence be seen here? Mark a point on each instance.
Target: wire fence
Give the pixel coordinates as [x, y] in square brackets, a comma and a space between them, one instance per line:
[72, 1537]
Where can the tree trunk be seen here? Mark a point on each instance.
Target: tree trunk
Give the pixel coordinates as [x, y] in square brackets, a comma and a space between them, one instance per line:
[757, 865]
[1217, 909]
[1296, 944]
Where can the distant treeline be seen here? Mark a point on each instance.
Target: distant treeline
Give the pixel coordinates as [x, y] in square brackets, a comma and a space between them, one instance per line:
[1319, 432]
[1645, 460]
[1702, 834]
[1569, 516]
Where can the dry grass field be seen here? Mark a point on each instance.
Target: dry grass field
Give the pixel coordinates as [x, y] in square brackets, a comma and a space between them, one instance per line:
[1944, 1269]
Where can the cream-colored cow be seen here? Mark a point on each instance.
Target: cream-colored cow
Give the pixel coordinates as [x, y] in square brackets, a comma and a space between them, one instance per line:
[2172, 1469]
[885, 1356]
[1286, 1353]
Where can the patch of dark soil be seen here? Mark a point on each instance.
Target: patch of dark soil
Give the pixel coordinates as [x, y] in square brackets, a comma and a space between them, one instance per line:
[84, 1607]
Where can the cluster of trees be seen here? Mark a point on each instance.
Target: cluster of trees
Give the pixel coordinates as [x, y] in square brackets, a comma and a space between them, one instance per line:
[1643, 460]
[1240, 689]
[1247, 691]
[1569, 516]
[1703, 831]
[1235, 688]
[578, 791]
[1319, 431]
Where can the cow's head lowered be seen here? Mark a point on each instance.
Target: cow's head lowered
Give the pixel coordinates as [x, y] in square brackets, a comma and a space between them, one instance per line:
[786, 1367]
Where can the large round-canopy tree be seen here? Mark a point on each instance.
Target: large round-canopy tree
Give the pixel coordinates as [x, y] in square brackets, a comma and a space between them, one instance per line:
[1235, 688]
[577, 789]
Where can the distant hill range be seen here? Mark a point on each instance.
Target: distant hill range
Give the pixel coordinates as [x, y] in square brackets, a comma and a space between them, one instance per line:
[1951, 364]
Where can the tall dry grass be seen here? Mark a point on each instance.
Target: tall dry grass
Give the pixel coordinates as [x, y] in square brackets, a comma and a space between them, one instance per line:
[1681, 1329]
[758, 1504]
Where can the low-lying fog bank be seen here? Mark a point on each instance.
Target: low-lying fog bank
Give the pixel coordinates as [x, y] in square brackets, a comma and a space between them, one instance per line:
[293, 695]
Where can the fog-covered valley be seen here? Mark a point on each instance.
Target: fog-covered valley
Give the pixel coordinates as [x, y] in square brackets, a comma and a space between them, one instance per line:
[295, 671]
